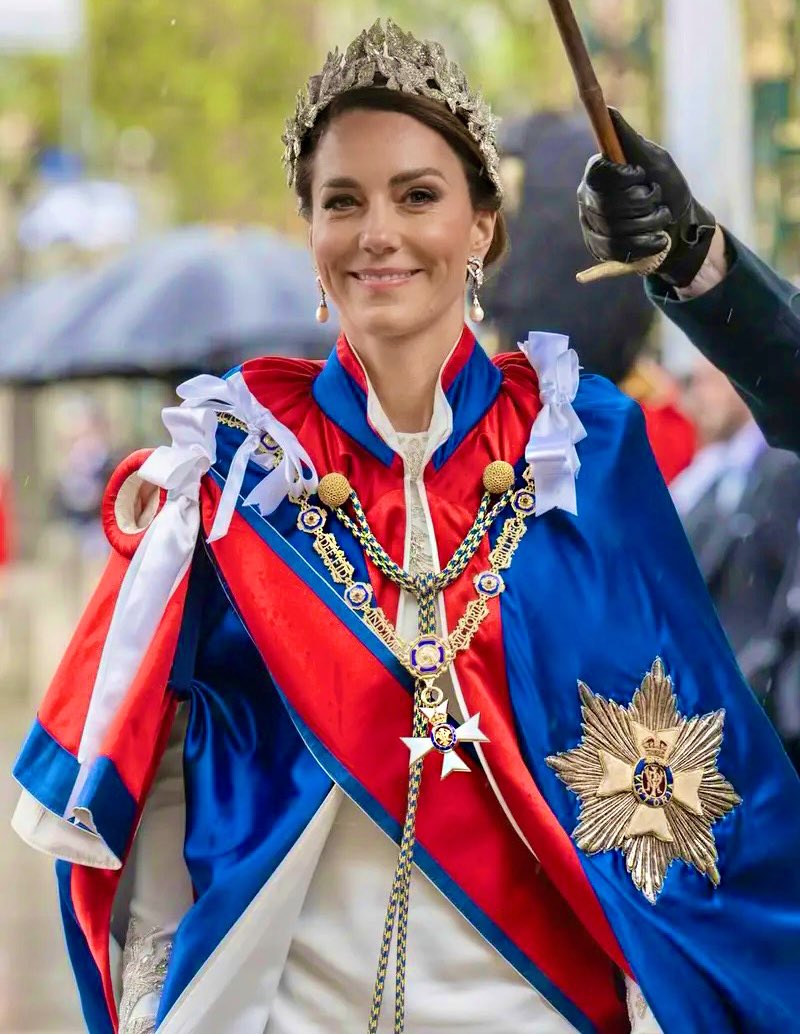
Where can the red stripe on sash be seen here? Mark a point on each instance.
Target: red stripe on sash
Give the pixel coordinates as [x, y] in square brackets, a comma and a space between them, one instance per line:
[359, 711]
[148, 708]
[93, 893]
[454, 494]
[63, 710]
[482, 675]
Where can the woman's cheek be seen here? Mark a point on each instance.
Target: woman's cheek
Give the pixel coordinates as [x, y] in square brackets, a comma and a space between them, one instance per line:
[445, 239]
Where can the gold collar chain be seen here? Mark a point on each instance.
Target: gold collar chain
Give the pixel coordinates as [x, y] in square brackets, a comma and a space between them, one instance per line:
[429, 655]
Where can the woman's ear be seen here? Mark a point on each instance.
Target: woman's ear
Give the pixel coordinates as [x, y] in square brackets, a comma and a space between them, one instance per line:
[482, 231]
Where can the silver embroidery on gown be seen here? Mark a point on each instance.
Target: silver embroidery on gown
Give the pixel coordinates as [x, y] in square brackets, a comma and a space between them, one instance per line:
[144, 970]
[413, 448]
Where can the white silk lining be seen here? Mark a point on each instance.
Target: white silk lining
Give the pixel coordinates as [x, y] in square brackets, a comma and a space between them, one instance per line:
[234, 988]
[53, 835]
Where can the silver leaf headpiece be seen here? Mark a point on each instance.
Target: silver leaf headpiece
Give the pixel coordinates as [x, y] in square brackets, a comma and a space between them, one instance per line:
[395, 60]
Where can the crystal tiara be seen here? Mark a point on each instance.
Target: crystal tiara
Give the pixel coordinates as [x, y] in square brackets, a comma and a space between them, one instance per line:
[398, 61]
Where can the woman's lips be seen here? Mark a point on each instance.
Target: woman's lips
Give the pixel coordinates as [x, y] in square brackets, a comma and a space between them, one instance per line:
[384, 278]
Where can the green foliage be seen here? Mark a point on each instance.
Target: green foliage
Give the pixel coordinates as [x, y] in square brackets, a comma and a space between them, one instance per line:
[213, 83]
[30, 86]
[510, 48]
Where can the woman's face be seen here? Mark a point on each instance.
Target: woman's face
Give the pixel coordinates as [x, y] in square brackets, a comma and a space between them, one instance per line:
[392, 225]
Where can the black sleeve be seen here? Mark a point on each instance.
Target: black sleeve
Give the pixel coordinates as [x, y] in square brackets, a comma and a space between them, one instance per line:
[749, 326]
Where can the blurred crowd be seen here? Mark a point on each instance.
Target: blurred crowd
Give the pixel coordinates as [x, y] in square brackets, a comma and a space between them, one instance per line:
[740, 505]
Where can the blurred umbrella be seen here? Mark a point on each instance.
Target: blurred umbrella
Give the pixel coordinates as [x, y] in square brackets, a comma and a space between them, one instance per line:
[198, 298]
[30, 309]
[607, 322]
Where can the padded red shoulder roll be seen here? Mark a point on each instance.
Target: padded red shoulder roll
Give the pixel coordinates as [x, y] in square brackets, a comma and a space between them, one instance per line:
[129, 504]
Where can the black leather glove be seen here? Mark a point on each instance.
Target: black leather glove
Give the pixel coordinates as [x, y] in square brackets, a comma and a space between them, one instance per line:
[625, 208]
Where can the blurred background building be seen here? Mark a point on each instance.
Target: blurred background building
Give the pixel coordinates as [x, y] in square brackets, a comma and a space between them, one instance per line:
[146, 232]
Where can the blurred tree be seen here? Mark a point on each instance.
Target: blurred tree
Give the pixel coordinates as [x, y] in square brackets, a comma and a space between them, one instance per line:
[30, 86]
[212, 82]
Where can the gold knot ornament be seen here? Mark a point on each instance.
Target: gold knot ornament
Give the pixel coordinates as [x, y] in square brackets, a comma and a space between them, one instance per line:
[388, 58]
[334, 490]
[498, 477]
[648, 782]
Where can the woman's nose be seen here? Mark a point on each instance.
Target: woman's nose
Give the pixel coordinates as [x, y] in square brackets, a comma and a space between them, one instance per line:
[379, 232]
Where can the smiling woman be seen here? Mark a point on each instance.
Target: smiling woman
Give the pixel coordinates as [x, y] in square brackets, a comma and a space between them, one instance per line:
[344, 748]
[398, 199]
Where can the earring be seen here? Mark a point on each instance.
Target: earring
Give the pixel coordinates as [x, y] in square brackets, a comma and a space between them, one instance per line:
[475, 278]
[322, 308]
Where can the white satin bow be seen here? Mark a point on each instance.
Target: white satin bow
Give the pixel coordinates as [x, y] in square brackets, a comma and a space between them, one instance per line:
[294, 474]
[165, 552]
[551, 447]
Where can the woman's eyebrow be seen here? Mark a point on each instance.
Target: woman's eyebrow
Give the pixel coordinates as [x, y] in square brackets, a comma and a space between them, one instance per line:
[414, 174]
[347, 182]
[340, 181]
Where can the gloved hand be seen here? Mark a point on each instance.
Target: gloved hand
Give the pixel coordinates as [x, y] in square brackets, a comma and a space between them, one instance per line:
[625, 208]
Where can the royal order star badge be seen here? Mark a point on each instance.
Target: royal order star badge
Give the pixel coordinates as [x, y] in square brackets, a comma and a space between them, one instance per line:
[444, 737]
[648, 782]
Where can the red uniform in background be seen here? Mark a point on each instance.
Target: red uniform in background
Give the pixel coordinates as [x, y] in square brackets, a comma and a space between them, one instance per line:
[672, 435]
[6, 547]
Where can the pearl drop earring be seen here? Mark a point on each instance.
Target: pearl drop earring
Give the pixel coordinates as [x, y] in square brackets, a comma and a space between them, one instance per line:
[475, 277]
[322, 308]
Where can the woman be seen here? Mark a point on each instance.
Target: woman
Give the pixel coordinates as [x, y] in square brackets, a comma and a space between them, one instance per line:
[397, 581]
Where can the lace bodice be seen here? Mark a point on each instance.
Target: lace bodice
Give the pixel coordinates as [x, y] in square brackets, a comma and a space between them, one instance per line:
[413, 448]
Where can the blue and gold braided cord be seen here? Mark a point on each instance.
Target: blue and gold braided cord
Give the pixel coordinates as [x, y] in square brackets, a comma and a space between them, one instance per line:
[397, 910]
[454, 568]
[425, 587]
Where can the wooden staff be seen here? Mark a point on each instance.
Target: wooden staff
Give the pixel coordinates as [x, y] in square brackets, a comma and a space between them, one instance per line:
[591, 96]
[588, 87]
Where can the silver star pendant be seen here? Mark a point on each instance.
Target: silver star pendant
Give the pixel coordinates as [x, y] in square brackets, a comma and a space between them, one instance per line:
[444, 737]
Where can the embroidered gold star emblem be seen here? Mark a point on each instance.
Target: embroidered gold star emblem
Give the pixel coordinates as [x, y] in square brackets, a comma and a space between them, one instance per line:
[648, 782]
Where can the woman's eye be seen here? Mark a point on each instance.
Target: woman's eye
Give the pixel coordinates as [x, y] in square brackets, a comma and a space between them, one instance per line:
[339, 203]
[420, 196]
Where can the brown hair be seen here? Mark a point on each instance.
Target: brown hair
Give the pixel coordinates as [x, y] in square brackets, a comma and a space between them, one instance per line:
[482, 191]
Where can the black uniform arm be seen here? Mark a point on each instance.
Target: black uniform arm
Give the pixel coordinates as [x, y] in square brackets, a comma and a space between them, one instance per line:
[748, 325]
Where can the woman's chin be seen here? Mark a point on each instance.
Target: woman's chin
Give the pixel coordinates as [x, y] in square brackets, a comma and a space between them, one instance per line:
[387, 322]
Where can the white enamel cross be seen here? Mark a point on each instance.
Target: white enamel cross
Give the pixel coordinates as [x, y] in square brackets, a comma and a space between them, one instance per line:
[468, 732]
